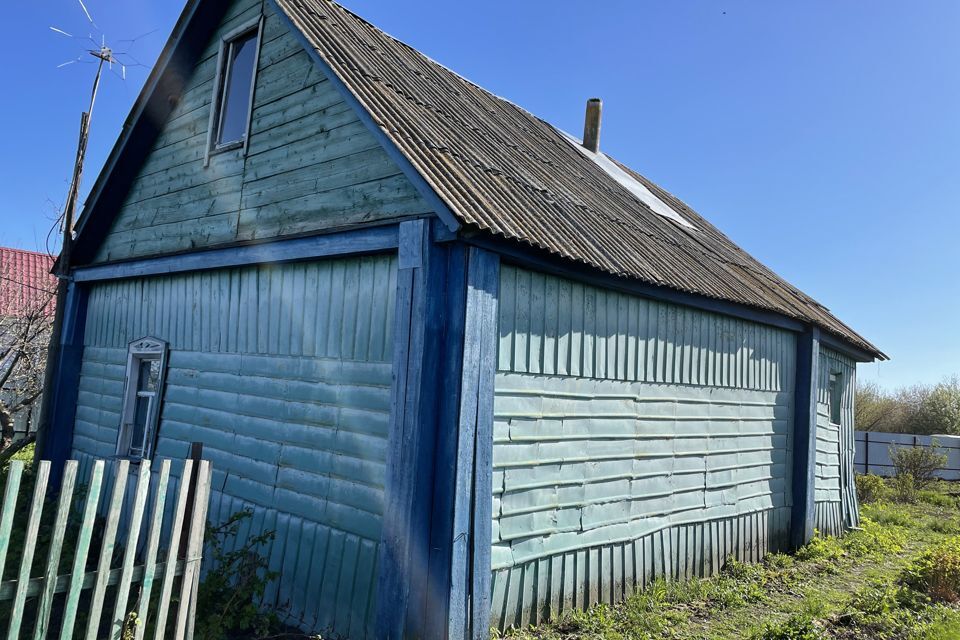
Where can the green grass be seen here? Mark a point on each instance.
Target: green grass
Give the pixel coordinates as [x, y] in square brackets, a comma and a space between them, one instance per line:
[854, 587]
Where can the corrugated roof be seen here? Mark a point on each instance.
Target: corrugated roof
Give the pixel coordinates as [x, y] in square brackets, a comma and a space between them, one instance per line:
[25, 282]
[504, 171]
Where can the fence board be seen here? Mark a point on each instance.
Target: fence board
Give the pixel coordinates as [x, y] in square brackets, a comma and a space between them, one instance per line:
[58, 597]
[153, 541]
[9, 507]
[106, 548]
[166, 589]
[29, 545]
[56, 546]
[133, 539]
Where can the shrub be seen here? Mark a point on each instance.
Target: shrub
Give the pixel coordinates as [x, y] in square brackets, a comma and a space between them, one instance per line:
[229, 595]
[871, 488]
[920, 462]
[936, 571]
[905, 488]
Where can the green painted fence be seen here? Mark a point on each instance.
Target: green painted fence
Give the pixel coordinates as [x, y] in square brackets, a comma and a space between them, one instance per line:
[71, 573]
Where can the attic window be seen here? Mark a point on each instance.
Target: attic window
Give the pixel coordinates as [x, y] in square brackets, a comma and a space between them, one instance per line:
[234, 97]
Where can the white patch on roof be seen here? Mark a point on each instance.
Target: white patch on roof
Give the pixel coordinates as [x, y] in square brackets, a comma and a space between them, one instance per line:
[631, 184]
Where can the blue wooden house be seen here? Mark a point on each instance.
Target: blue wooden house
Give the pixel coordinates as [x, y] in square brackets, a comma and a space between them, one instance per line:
[471, 370]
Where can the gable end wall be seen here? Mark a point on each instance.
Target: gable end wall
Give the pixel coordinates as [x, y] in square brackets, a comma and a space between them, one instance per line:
[311, 164]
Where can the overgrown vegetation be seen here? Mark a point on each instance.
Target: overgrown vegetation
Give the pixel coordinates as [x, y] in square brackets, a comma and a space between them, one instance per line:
[895, 578]
[920, 409]
[919, 463]
[228, 595]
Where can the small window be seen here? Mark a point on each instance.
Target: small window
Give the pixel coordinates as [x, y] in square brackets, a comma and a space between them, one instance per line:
[835, 395]
[238, 63]
[146, 367]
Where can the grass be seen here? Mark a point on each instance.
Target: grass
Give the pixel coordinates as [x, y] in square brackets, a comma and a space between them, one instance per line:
[860, 586]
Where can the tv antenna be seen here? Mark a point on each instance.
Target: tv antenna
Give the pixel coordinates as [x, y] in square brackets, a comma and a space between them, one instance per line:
[103, 56]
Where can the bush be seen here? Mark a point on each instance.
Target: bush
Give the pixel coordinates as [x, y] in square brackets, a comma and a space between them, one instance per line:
[871, 488]
[920, 462]
[905, 488]
[229, 595]
[936, 571]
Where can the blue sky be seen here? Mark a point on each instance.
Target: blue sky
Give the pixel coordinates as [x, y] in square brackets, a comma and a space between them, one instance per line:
[823, 137]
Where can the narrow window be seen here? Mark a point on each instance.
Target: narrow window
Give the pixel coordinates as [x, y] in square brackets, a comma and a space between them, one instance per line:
[835, 392]
[146, 366]
[237, 70]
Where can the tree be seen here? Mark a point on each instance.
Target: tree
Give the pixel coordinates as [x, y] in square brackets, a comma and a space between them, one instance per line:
[24, 336]
[940, 410]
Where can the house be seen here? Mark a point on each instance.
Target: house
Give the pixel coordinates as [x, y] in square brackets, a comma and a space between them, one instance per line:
[470, 371]
[26, 313]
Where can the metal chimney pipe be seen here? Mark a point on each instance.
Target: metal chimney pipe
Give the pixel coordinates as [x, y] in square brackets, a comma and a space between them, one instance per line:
[591, 124]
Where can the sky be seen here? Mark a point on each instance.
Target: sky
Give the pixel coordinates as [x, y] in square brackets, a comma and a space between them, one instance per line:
[822, 137]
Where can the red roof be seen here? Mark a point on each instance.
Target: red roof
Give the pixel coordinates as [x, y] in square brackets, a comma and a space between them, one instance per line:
[25, 281]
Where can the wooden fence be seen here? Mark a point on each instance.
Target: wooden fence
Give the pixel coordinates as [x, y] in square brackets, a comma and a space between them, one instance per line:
[63, 589]
[873, 452]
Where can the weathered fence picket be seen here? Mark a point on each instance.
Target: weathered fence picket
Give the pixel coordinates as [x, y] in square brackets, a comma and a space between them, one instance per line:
[50, 603]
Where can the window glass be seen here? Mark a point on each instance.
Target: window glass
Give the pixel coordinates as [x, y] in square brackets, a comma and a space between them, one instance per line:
[138, 433]
[237, 82]
[835, 396]
[149, 375]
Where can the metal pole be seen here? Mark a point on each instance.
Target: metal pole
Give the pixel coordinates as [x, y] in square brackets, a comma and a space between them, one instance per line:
[63, 270]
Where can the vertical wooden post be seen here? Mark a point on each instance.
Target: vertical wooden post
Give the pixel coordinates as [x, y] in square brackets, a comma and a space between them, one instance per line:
[805, 438]
[398, 543]
[61, 407]
[195, 455]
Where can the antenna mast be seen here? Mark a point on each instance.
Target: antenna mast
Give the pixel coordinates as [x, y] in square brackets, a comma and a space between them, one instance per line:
[104, 55]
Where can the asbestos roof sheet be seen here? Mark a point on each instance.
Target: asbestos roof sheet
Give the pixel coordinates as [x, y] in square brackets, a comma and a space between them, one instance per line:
[502, 170]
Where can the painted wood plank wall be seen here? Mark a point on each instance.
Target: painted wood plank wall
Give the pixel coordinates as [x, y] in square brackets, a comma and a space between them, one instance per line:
[311, 164]
[555, 326]
[290, 394]
[835, 494]
[632, 439]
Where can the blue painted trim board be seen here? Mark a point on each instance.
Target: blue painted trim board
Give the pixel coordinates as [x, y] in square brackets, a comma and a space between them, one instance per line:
[437, 605]
[470, 546]
[487, 266]
[393, 585]
[67, 381]
[412, 173]
[354, 242]
[805, 438]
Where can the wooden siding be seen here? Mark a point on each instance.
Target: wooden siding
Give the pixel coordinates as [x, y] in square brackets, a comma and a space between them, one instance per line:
[284, 374]
[310, 163]
[555, 326]
[835, 495]
[632, 439]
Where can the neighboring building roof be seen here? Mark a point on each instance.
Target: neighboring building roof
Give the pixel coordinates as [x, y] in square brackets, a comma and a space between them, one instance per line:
[25, 281]
[502, 170]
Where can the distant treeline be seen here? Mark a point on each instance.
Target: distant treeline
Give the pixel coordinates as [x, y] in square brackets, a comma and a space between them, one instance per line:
[921, 409]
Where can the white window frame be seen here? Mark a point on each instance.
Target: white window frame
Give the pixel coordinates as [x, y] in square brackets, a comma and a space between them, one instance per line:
[139, 351]
[220, 83]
